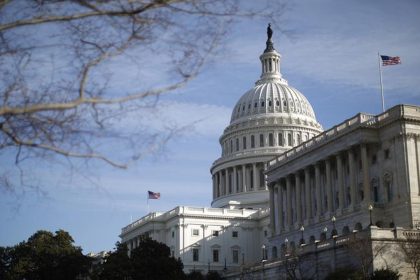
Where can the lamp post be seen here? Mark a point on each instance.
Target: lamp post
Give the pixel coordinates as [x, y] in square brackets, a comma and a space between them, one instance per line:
[370, 214]
[263, 252]
[325, 230]
[302, 241]
[334, 231]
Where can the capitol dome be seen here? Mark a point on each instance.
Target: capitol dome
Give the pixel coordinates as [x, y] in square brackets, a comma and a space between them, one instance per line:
[267, 121]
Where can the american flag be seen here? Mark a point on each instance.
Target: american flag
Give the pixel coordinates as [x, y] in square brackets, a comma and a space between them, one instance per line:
[154, 195]
[390, 60]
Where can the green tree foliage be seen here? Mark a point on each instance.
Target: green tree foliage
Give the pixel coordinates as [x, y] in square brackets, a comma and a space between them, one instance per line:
[44, 256]
[150, 260]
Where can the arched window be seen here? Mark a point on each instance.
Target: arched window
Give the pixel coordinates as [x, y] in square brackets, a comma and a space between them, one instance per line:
[252, 141]
[244, 142]
[261, 140]
[289, 139]
[270, 140]
[281, 139]
[298, 139]
[274, 252]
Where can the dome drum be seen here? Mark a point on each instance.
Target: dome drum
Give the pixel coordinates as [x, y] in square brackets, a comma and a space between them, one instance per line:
[267, 121]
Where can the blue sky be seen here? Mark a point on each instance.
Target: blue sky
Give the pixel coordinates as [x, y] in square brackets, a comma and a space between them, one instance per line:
[329, 53]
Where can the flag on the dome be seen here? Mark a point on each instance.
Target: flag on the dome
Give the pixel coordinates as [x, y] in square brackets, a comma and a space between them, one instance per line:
[390, 60]
[154, 195]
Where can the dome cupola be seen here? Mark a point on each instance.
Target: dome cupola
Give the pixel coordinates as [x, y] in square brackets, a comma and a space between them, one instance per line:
[267, 121]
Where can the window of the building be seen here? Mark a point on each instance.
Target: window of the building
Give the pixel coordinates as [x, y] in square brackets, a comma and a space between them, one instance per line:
[289, 139]
[255, 105]
[244, 143]
[280, 139]
[235, 234]
[196, 254]
[195, 232]
[262, 104]
[215, 255]
[373, 159]
[237, 144]
[173, 234]
[261, 140]
[271, 140]
[269, 103]
[215, 233]
[265, 233]
[277, 103]
[386, 154]
[235, 256]
[231, 145]
[298, 139]
[252, 141]
[284, 103]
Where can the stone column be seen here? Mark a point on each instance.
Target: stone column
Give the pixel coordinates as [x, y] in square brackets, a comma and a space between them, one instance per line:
[235, 182]
[318, 190]
[226, 181]
[352, 178]
[365, 170]
[288, 201]
[271, 190]
[280, 225]
[329, 186]
[254, 177]
[244, 186]
[214, 186]
[340, 183]
[308, 196]
[298, 204]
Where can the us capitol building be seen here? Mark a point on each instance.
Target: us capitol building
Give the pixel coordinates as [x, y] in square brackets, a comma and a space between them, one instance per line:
[284, 189]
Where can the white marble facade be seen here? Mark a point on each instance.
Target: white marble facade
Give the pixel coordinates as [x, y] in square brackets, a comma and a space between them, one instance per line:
[280, 177]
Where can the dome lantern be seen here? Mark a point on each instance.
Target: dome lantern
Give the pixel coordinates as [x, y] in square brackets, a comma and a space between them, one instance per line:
[270, 62]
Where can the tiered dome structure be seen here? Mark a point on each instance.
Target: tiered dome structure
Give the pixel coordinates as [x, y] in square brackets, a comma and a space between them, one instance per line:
[268, 120]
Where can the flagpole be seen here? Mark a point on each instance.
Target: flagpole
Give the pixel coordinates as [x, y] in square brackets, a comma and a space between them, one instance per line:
[148, 207]
[380, 80]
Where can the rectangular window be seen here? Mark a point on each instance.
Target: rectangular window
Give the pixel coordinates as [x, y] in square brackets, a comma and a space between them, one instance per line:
[261, 140]
[244, 143]
[235, 256]
[195, 232]
[252, 141]
[234, 234]
[271, 140]
[173, 234]
[386, 154]
[215, 255]
[195, 252]
[237, 144]
[289, 140]
[215, 233]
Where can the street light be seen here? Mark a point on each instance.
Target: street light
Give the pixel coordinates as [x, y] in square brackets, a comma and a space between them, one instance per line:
[370, 214]
[334, 231]
[263, 252]
[302, 241]
[286, 242]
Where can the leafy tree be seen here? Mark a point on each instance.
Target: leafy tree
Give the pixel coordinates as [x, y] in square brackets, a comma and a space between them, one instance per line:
[195, 275]
[45, 256]
[385, 274]
[117, 264]
[213, 275]
[150, 260]
[62, 65]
